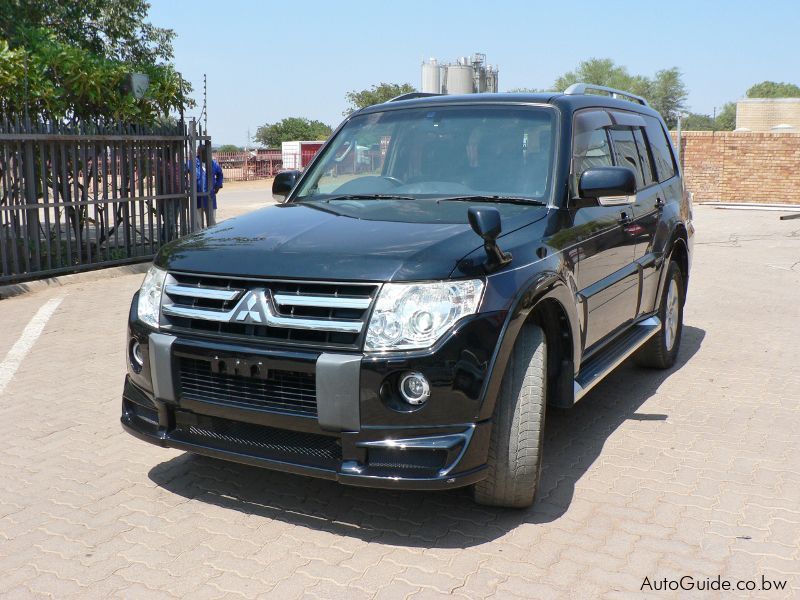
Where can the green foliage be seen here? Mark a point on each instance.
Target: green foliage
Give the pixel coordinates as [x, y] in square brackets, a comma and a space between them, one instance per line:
[772, 89]
[698, 122]
[665, 92]
[229, 148]
[726, 118]
[376, 95]
[525, 90]
[271, 135]
[114, 29]
[69, 59]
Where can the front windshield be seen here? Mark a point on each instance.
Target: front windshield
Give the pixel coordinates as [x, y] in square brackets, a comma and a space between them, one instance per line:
[454, 151]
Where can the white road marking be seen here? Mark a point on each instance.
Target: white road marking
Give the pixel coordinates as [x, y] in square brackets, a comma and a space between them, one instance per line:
[26, 341]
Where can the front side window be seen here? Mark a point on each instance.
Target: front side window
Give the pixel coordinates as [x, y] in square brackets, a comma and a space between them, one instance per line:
[438, 152]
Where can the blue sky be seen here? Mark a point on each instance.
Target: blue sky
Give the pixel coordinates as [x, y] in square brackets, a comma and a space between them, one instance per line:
[268, 60]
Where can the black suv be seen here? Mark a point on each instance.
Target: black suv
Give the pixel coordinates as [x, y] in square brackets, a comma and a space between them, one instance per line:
[445, 267]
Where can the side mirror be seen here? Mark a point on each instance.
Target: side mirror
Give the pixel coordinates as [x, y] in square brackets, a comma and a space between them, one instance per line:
[610, 186]
[283, 184]
[485, 221]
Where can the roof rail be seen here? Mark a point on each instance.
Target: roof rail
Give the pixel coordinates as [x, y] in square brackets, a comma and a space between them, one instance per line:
[412, 95]
[582, 88]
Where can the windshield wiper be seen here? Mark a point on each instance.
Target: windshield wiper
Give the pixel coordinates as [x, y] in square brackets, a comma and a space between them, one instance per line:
[364, 197]
[495, 199]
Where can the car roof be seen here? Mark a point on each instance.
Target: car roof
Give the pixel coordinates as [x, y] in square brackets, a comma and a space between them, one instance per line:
[566, 102]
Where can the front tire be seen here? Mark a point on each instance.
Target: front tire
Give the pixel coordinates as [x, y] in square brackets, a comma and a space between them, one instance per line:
[661, 351]
[515, 449]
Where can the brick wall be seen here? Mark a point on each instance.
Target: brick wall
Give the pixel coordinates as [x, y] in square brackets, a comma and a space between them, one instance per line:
[737, 166]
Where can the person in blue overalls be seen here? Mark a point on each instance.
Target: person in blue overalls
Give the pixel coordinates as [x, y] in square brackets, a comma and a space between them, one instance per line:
[217, 180]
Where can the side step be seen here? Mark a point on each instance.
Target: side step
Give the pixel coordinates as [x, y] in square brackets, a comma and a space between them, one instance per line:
[610, 357]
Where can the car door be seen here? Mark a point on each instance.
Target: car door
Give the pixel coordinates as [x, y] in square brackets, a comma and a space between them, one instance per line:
[653, 144]
[647, 214]
[606, 276]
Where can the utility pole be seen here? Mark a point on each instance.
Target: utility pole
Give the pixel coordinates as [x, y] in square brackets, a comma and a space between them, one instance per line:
[247, 155]
[205, 106]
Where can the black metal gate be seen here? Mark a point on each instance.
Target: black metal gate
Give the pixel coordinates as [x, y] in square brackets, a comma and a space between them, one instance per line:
[83, 196]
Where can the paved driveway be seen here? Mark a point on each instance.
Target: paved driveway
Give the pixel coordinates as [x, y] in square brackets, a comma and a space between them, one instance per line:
[690, 472]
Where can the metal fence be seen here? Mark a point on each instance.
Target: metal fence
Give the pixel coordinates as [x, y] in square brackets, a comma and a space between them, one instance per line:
[82, 196]
[249, 165]
[260, 164]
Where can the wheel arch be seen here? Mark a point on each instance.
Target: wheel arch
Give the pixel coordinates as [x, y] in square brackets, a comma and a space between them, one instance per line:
[678, 250]
[550, 301]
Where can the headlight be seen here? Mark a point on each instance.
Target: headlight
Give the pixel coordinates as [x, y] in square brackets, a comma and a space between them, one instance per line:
[414, 315]
[150, 296]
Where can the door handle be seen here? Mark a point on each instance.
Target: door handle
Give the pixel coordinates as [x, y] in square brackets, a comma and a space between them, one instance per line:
[624, 218]
[659, 203]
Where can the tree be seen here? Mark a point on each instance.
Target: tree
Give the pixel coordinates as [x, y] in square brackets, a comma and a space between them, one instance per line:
[726, 117]
[229, 148]
[525, 90]
[698, 122]
[667, 94]
[725, 120]
[771, 89]
[114, 29]
[69, 59]
[377, 94]
[666, 91]
[271, 135]
[599, 71]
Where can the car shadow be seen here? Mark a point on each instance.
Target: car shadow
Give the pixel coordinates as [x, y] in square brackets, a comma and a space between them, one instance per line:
[574, 439]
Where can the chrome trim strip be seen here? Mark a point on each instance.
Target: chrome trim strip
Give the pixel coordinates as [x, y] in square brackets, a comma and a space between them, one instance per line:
[433, 442]
[322, 301]
[206, 314]
[190, 291]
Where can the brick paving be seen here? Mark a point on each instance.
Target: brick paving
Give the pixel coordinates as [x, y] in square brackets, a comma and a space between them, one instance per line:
[694, 471]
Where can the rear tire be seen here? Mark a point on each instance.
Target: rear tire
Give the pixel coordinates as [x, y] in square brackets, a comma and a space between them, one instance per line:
[515, 449]
[661, 350]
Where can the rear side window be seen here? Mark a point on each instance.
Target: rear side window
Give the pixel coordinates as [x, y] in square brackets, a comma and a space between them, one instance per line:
[626, 152]
[662, 153]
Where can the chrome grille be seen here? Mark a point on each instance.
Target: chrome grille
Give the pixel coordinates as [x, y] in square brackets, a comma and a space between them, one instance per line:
[276, 311]
[287, 392]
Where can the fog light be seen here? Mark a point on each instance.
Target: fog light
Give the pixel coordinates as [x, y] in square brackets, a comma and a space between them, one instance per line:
[137, 359]
[414, 388]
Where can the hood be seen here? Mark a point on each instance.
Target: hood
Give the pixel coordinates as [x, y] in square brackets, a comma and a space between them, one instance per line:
[372, 240]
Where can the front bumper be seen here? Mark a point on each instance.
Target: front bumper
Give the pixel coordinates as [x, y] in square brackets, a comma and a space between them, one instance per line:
[415, 459]
[358, 434]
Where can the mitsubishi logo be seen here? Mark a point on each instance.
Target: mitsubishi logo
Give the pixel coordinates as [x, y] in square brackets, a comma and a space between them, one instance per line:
[251, 307]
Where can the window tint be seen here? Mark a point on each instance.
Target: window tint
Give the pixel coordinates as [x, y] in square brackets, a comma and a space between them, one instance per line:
[626, 153]
[644, 156]
[662, 153]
